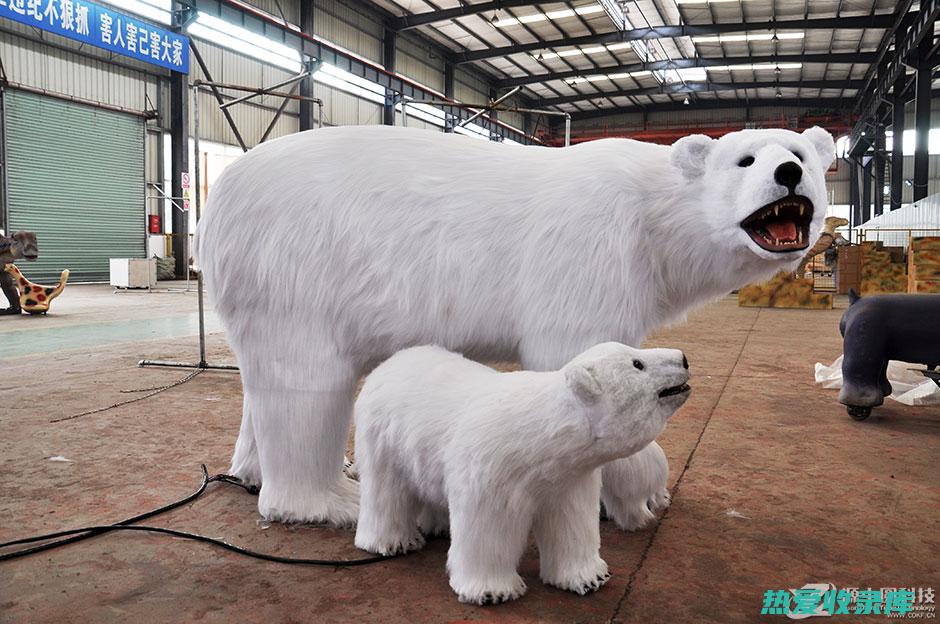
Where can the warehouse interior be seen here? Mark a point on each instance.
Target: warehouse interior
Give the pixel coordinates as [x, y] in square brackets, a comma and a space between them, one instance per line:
[110, 148]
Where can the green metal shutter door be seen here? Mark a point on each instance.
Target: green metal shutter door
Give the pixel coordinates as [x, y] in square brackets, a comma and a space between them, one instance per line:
[76, 178]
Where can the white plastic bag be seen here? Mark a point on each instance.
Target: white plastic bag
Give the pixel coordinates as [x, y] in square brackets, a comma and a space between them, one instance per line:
[910, 386]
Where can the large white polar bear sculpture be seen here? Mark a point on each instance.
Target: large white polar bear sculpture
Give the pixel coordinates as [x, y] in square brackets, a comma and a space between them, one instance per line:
[442, 439]
[328, 250]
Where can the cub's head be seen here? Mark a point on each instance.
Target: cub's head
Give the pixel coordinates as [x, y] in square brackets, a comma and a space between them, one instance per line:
[629, 393]
[763, 192]
[24, 245]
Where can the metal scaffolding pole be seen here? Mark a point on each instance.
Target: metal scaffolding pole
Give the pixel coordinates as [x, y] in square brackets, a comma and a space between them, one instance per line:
[197, 202]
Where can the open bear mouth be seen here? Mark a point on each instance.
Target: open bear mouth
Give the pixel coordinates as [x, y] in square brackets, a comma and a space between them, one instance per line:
[674, 390]
[782, 225]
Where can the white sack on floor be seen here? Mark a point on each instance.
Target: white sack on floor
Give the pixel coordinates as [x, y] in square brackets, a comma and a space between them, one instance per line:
[910, 386]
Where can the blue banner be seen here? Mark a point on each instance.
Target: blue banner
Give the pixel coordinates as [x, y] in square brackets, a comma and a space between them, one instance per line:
[103, 28]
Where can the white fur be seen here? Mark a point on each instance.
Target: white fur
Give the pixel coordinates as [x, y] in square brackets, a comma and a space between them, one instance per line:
[504, 453]
[640, 488]
[330, 249]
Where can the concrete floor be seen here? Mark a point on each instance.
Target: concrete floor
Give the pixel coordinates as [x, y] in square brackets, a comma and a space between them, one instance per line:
[816, 496]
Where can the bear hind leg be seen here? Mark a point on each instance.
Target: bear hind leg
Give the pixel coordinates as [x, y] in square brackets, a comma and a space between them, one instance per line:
[433, 521]
[300, 436]
[246, 465]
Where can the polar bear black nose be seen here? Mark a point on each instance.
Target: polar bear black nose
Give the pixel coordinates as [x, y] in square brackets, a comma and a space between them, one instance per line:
[789, 175]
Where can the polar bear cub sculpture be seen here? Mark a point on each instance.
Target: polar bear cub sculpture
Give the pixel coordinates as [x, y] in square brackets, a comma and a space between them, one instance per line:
[442, 440]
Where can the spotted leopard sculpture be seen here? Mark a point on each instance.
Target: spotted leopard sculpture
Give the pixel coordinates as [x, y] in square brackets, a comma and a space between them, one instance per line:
[19, 245]
[36, 298]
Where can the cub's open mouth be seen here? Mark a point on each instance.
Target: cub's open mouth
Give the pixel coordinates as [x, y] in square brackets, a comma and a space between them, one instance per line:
[782, 225]
[674, 390]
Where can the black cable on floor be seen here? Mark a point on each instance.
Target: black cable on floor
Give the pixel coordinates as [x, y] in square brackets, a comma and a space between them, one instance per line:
[129, 524]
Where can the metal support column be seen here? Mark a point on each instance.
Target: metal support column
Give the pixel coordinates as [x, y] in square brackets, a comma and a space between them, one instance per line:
[879, 164]
[306, 85]
[922, 117]
[388, 60]
[449, 122]
[897, 147]
[855, 217]
[897, 129]
[179, 162]
[865, 213]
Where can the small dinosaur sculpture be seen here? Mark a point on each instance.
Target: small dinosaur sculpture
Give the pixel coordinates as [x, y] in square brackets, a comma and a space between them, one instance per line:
[827, 238]
[20, 245]
[35, 298]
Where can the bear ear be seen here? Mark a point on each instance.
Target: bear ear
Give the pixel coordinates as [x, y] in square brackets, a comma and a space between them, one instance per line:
[689, 154]
[581, 381]
[822, 141]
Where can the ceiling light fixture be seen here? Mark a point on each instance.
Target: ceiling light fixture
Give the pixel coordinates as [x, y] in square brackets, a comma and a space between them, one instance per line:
[748, 37]
[589, 9]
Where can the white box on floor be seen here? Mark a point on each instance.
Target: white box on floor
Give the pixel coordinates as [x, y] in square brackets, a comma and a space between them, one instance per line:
[133, 273]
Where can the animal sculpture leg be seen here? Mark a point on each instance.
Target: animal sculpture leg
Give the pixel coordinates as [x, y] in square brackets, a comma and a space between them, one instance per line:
[635, 488]
[488, 534]
[388, 513]
[568, 537]
[246, 465]
[10, 292]
[298, 403]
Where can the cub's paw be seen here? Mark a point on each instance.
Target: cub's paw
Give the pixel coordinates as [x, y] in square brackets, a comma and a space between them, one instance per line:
[631, 518]
[391, 546]
[582, 581]
[490, 592]
[659, 501]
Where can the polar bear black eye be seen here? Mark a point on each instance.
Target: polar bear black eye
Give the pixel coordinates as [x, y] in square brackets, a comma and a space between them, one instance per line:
[799, 155]
[747, 161]
[637, 364]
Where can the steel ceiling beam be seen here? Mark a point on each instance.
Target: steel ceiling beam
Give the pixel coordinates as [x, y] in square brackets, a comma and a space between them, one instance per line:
[883, 20]
[895, 67]
[833, 104]
[313, 47]
[701, 87]
[406, 22]
[848, 57]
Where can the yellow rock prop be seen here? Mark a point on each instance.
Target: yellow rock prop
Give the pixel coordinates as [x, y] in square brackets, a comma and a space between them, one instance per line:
[784, 290]
[923, 267]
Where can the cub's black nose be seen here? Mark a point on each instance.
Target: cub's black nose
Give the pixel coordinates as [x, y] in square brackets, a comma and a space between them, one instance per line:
[789, 175]
[685, 361]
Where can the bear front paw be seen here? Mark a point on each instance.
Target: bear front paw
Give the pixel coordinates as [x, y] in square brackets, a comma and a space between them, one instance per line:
[391, 546]
[582, 581]
[489, 592]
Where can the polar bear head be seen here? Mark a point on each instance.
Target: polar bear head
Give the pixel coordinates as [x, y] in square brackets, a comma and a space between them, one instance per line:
[762, 193]
[628, 393]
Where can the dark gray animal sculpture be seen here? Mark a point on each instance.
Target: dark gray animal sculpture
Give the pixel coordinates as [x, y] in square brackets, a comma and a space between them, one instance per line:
[881, 328]
[20, 245]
